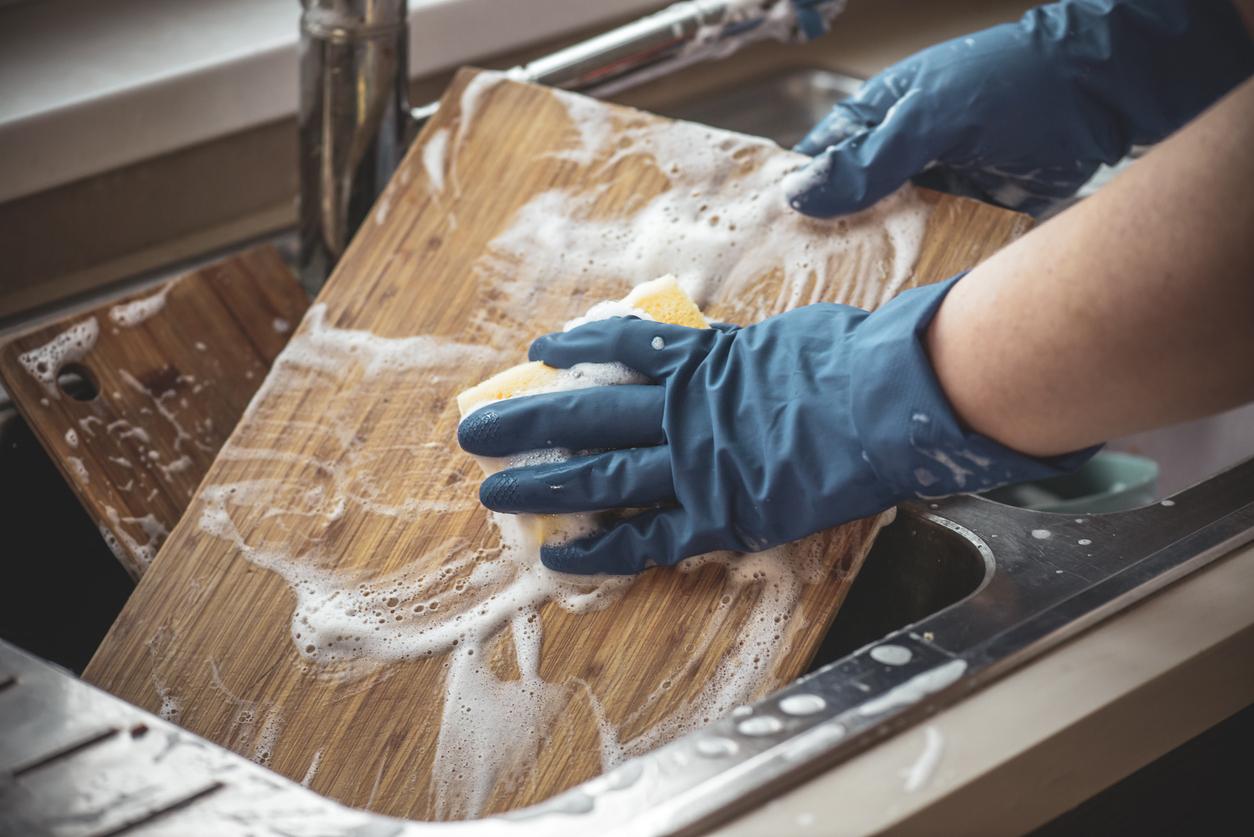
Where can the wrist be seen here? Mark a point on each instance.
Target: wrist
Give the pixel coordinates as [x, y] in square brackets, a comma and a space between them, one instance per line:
[911, 435]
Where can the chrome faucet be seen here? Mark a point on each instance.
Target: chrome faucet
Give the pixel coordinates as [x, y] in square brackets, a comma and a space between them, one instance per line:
[355, 121]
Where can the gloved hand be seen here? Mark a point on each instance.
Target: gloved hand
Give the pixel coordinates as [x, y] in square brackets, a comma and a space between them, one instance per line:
[1022, 114]
[749, 437]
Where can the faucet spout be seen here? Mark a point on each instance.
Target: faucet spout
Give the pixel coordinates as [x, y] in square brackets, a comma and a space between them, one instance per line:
[353, 120]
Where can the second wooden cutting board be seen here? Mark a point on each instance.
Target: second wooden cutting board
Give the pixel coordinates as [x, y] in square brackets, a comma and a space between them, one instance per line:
[352, 617]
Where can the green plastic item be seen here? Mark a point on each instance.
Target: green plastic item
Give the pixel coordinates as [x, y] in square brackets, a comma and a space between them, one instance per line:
[1109, 482]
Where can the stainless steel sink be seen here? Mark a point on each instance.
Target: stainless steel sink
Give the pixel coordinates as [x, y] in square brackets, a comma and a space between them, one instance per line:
[953, 595]
[782, 106]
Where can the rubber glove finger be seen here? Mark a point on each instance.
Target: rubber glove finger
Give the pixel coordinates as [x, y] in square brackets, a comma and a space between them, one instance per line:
[867, 166]
[651, 348]
[842, 122]
[615, 479]
[660, 536]
[627, 416]
[864, 109]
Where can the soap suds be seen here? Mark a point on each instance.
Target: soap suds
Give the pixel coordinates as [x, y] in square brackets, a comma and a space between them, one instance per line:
[163, 406]
[79, 470]
[171, 708]
[255, 725]
[313, 768]
[73, 344]
[115, 547]
[327, 349]
[920, 772]
[133, 313]
[698, 225]
[433, 159]
[151, 530]
[268, 737]
[916, 688]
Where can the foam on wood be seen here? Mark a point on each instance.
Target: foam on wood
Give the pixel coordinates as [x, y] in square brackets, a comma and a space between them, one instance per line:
[335, 565]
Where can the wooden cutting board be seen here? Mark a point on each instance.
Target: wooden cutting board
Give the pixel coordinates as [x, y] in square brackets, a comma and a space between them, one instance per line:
[150, 387]
[344, 611]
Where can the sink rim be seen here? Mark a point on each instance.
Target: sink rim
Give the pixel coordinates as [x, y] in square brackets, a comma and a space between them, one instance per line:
[687, 786]
[954, 651]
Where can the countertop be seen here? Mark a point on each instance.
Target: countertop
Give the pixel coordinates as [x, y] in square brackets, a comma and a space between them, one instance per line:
[1043, 739]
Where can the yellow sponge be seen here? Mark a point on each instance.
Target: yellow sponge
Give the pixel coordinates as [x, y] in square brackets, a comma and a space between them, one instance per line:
[662, 300]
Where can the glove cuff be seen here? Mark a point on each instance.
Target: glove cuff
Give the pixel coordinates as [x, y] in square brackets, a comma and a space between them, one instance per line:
[909, 432]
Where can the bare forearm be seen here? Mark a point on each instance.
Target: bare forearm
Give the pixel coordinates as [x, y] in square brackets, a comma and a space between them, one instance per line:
[1133, 309]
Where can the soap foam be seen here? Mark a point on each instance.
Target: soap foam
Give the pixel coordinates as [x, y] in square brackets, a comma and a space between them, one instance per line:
[255, 725]
[73, 344]
[133, 313]
[79, 469]
[433, 159]
[140, 552]
[699, 226]
[327, 349]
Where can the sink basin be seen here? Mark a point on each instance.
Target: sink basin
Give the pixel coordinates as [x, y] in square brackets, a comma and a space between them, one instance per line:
[917, 567]
[63, 587]
[797, 98]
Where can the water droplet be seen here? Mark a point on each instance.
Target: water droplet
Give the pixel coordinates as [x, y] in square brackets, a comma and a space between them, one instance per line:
[658, 343]
[802, 704]
[1084, 541]
[760, 725]
[1168, 503]
[716, 747]
[891, 655]
[1041, 534]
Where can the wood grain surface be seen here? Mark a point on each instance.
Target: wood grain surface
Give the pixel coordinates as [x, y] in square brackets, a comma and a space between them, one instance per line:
[172, 370]
[337, 544]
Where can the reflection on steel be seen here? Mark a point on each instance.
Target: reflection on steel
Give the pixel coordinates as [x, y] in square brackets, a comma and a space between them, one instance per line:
[353, 69]
[76, 761]
[674, 38]
[354, 120]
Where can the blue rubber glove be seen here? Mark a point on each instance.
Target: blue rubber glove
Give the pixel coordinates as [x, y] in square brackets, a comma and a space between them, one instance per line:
[749, 437]
[1022, 114]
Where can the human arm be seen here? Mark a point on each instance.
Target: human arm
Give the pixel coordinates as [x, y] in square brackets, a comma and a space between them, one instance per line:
[1133, 309]
[752, 437]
